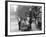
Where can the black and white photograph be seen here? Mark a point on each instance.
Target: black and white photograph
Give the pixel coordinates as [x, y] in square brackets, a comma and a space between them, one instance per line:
[25, 18]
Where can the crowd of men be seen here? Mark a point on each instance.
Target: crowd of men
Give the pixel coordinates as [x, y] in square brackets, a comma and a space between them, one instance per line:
[32, 16]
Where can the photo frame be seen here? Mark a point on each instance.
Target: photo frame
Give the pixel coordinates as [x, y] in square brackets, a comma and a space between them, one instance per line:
[22, 7]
